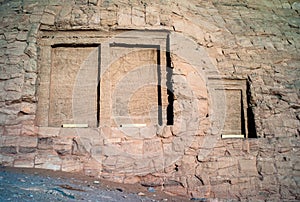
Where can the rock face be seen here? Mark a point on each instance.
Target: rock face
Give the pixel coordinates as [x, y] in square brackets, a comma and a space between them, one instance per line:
[145, 91]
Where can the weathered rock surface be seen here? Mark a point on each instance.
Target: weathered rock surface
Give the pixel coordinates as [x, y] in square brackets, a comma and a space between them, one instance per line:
[254, 44]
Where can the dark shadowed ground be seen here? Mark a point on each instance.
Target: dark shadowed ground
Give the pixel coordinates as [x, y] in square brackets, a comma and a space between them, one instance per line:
[22, 184]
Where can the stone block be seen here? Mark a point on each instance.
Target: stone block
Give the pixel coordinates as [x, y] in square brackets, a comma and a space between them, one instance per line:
[266, 152]
[15, 84]
[28, 141]
[204, 170]
[80, 146]
[26, 150]
[244, 42]
[131, 180]
[8, 150]
[191, 152]
[227, 167]
[167, 148]
[112, 141]
[9, 140]
[126, 164]
[28, 108]
[187, 165]
[138, 16]
[111, 150]
[30, 65]
[180, 125]
[297, 166]
[107, 131]
[202, 193]
[29, 130]
[92, 168]
[13, 130]
[13, 95]
[132, 147]
[65, 12]
[6, 160]
[270, 184]
[64, 146]
[97, 152]
[240, 180]
[158, 162]
[152, 147]
[266, 167]
[175, 190]
[152, 16]
[78, 17]
[166, 132]
[109, 162]
[30, 78]
[10, 71]
[108, 17]
[47, 161]
[182, 143]
[113, 177]
[170, 159]
[188, 27]
[68, 132]
[296, 6]
[22, 36]
[193, 182]
[219, 181]
[16, 48]
[124, 16]
[31, 50]
[95, 19]
[45, 143]
[197, 84]
[44, 132]
[2, 98]
[247, 167]
[114, 132]
[133, 132]
[94, 2]
[28, 91]
[142, 166]
[150, 180]
[71, 164]
[285, 192]
[1, 133]
[25, 161]
[285, 180]
[48, 19]
[165, 18]
[148, 132]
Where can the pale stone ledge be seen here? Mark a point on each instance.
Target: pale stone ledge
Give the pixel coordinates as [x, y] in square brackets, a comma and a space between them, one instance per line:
[75, 125]
[232, 136]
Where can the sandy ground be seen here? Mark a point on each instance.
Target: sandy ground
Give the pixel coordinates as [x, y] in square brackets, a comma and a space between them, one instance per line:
[23, 184]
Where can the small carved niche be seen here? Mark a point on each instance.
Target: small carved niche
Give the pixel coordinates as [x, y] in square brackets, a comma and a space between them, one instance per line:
[235, 106]
[73, 82]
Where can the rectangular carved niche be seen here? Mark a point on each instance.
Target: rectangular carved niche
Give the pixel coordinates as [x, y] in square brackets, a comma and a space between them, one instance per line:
[234, 105]
[68, 85]
[135, 82]
[73, 93]
[136, 97]
[234, 114]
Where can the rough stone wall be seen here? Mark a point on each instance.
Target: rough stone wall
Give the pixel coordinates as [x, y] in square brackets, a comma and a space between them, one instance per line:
[253, 40]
